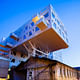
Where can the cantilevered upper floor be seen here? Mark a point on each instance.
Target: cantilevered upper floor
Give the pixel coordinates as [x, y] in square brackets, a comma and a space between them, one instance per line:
[45, 31]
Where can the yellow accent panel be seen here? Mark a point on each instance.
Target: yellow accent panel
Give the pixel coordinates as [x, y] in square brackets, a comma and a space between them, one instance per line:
[3, 79]
[41, 26]
[35, 19]
[8, 77]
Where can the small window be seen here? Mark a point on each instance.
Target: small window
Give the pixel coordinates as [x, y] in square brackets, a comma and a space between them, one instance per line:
[46, 15]
[51, 56]
[57, 21]
[30, 33]
[49, 21]
[24, 37]
[21, 55]
[36, 29]
[13, 60]
[14, 53]
[26, 28]
[60, 31]
[63, 34]
[32, 24]
[54, 25]
[53, 15]
[67, 39]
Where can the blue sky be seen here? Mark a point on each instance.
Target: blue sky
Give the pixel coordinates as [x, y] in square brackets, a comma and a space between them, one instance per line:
[14, 13]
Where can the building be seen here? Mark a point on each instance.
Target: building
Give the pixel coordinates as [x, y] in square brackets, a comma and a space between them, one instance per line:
[78, 72]
[44, 69]
[35, 37]
[42, 34]
[4, 65]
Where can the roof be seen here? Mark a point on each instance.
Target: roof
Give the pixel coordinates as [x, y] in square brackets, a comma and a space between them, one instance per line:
[77, 68]
[43, 58]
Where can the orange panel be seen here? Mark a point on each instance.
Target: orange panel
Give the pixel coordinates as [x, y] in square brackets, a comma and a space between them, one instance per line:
[42, 26]
[2, 45]
[3, 50]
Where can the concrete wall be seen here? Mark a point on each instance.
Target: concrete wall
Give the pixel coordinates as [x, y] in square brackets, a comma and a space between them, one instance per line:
[4, 65]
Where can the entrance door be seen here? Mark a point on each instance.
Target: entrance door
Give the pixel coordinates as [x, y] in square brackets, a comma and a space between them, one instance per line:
[30, 74]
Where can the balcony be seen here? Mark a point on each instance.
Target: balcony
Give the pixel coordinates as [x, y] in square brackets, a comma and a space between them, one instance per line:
[8, 45]
[14, 36]
[1, 45]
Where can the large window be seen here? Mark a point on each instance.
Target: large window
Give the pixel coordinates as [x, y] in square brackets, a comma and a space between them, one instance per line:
[46, 15]
[36, 29]
[30, 33]
[32, 24]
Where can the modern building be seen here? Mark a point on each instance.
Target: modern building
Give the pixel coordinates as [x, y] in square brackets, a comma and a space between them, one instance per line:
[42, 34]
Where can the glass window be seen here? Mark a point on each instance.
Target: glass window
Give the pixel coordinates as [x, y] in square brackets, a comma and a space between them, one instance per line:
[36, 29]
[60, 31]
[46, 15]
[32, 24]
[57, 21]
[54, 25]
[30, 33]
[63, 35]
[26, 27]
[62, 27]
[24, 37]
[49, 21]
[53, 15]
[67, 39]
